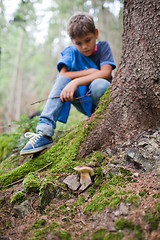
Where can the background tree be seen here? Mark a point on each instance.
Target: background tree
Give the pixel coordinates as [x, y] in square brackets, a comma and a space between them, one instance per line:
[135, 105]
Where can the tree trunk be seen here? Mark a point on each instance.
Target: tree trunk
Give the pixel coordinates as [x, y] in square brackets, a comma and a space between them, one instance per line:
[14, 83]
[135, 105]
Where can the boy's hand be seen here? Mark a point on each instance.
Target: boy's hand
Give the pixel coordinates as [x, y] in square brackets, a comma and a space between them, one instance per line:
[68, 91]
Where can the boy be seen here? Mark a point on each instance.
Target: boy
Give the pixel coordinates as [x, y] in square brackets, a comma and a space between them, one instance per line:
[85, 74]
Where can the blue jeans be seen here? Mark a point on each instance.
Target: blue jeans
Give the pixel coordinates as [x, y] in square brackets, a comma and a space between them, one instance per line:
[53, 107]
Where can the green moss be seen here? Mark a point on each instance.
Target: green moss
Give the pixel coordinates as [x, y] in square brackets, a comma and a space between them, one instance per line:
[158, 207]
[114, 236]
[81, 200]
[39, 223]
[98, 234]
[2, 201]
[110, 196]
[63, 154]
[132, 198]
[143, 193]
[98, 176]
[8, 224]
[156, 195]
[152, 219]
[91, 191]
[97, 157]
[31, 183]
[42, 229]
[85, 234]
[18, 197]
[47, 193]
[124, 171]
[122, 224]
[64, 235]
[8, 143]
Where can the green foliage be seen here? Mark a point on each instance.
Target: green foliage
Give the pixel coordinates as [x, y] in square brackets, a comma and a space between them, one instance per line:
[18, 198]
[8, 142]
[31, 183]
[25, 124]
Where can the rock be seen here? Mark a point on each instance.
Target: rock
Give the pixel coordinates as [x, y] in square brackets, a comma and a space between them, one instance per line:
[22, 210]
[47, 192]
[111, 227]
[133, 155]
[117, 213]
[135, 175]
[123, 210]
[72, 182]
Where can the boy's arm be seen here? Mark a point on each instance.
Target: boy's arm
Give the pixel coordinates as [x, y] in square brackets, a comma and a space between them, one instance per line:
[68, 92]
[76, 74]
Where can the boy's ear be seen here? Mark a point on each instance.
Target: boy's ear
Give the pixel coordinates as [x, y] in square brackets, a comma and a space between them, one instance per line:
[96, 33]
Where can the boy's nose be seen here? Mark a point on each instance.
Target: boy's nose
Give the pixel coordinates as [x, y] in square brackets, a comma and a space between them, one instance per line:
[84, 46]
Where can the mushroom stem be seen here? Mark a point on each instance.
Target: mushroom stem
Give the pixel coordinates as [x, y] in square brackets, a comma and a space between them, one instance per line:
[85, 179]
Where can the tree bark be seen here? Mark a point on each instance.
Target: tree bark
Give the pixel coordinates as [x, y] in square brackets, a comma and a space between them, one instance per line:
[135, 105]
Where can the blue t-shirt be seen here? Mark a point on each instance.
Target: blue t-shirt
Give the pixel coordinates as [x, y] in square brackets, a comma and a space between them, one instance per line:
[103, 55]
[76, 61]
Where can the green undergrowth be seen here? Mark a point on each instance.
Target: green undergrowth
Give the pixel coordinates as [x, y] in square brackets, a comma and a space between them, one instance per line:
[7, 143]
[62, 155]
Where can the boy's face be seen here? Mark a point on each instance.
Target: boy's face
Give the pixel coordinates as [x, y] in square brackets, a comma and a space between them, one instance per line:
[86, 44]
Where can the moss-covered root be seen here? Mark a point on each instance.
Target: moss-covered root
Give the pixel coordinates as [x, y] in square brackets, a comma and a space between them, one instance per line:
[18, 198]
[31, 183]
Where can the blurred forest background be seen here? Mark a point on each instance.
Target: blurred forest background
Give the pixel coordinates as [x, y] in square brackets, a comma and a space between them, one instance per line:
[33, 34]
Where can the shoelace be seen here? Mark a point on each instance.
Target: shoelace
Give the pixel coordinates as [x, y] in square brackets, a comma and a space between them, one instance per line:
[33, 136]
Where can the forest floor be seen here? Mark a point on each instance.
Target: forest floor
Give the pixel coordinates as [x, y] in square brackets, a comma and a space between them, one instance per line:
[74, 223]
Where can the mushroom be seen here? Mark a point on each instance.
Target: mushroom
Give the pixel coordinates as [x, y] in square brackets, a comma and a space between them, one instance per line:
[85, 176]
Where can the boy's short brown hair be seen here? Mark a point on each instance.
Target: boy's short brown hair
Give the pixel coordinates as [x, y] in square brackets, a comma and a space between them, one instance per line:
[80, 24]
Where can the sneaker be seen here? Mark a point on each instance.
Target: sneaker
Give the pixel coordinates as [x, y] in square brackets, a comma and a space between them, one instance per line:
[37, 143]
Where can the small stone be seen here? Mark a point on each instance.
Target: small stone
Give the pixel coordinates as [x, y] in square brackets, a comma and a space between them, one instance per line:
[117, 213]
[72, 182]
[135, 174]
[22, 210]
[123, 209]
[111, 227]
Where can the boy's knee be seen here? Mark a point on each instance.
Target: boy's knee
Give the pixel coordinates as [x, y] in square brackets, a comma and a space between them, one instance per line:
[98, 87]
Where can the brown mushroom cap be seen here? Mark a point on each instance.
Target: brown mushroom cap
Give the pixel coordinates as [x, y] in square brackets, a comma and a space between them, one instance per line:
[85, 169]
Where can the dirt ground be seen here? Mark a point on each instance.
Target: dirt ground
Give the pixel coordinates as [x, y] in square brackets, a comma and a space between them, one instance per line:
[75, 220]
